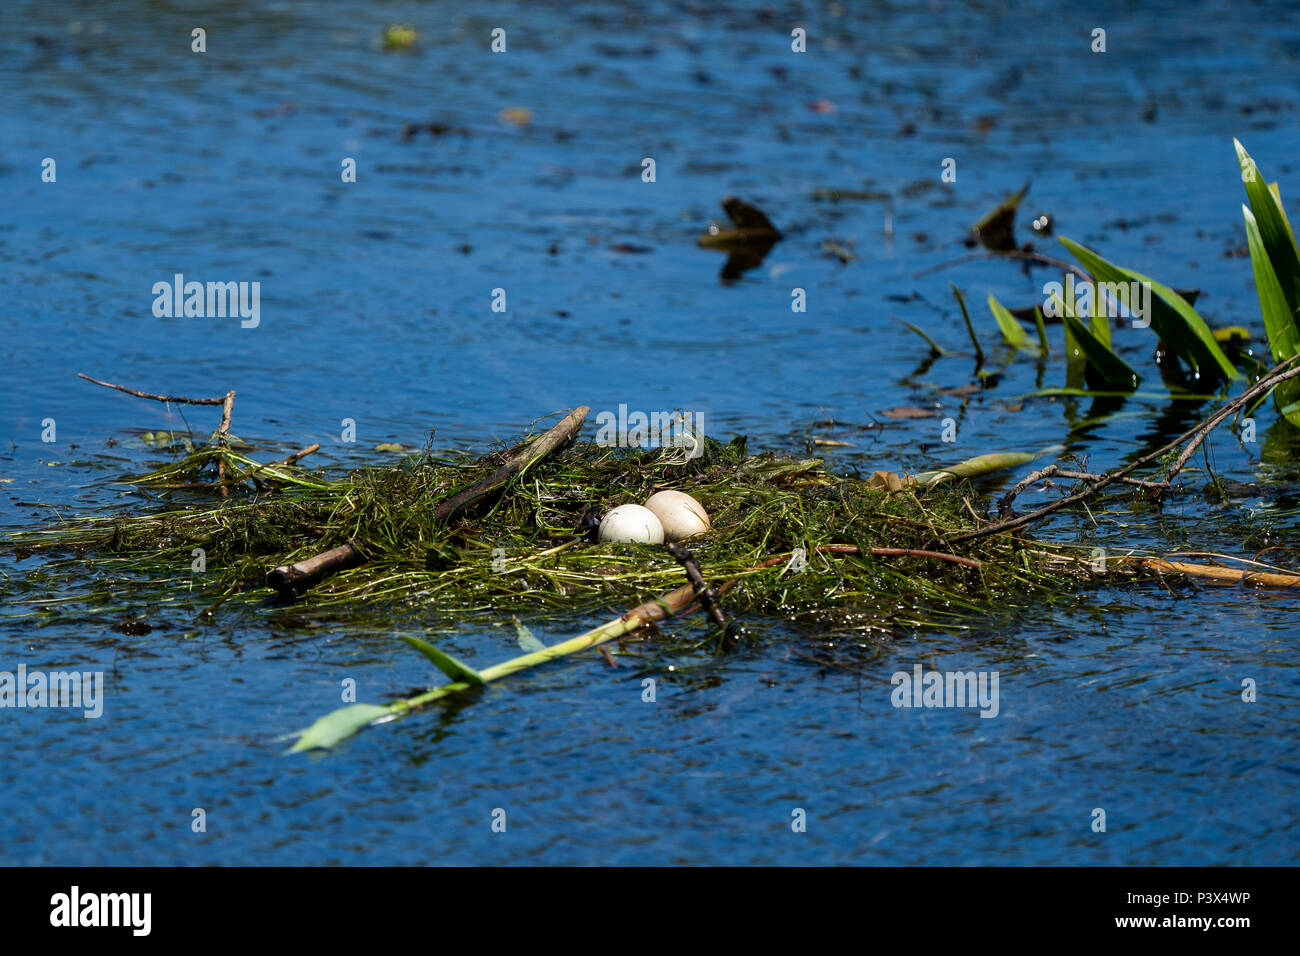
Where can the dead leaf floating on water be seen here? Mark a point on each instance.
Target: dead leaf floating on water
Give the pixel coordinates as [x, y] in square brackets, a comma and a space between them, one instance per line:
[996, 231]
[516, 115]
[747, 243]
[908, 411]
[888, 481]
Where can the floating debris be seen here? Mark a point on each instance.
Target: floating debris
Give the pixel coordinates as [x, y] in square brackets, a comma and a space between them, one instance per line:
[516, 116]
[399, 36]
[747, 244]
[996, 231]
[836, 250]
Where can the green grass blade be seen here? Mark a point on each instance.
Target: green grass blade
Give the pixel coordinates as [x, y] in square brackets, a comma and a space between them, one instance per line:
[1283, 333]
[444, 662]
[1107, 369]
[1172, 318]
[1278, 239]
[1042, 332]
[1013, 333]
[936, 351]
[970, 326]
[1276, 192]
[1076, 363]
[1279, 322]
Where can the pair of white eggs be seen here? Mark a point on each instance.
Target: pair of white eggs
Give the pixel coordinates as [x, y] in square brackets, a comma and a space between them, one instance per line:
[667, 516]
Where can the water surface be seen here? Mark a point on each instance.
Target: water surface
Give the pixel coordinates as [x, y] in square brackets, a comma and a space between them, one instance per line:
[376, 306]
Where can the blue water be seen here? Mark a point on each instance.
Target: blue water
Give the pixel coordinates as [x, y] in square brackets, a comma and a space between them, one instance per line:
[376, 306]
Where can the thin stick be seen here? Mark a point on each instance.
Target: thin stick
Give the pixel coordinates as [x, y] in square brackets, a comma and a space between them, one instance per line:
[227, 403]
[1055, 471]
[174, 399]
[1280, 373]
[291, 459]
[515, 463]
[286, 460]
[292, 579]
[707, 596]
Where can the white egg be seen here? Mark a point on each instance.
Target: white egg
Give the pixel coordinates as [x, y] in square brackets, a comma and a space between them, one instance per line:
[632, 523]
[681, 515]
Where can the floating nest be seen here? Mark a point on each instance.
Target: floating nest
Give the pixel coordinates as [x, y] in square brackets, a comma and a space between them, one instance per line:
[790, 540]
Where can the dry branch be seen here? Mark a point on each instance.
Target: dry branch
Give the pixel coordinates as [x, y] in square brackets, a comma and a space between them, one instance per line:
[227, 403]
[515, 462]
[1267, 579]
[707, 596]
[293, 579]
[1192, 439]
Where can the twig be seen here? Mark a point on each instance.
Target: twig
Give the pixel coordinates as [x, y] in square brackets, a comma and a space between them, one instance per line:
[515, 462]
[1017, 254]
[292, 579]
[1279, 373]
[707, 596]
[174, 399]
[1055, 471]
[227, 403]
[286, 460]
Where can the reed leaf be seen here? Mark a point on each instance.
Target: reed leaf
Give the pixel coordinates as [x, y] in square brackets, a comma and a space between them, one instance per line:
[1177, 324]
[936, 351]
[338, 725]
[1275, 231]
[1105, 368]
[453, 668]
[1013, 332]
[970, 326]
[1279, 321]
[977, 467]
[1043, 344]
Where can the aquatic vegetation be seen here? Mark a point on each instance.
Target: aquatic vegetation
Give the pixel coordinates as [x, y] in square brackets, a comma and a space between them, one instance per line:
[1276, 262]
[526, 547]
[1187, 349]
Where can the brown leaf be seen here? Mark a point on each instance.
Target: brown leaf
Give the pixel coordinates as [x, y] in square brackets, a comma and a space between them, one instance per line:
[888, 481]
[908, 411]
